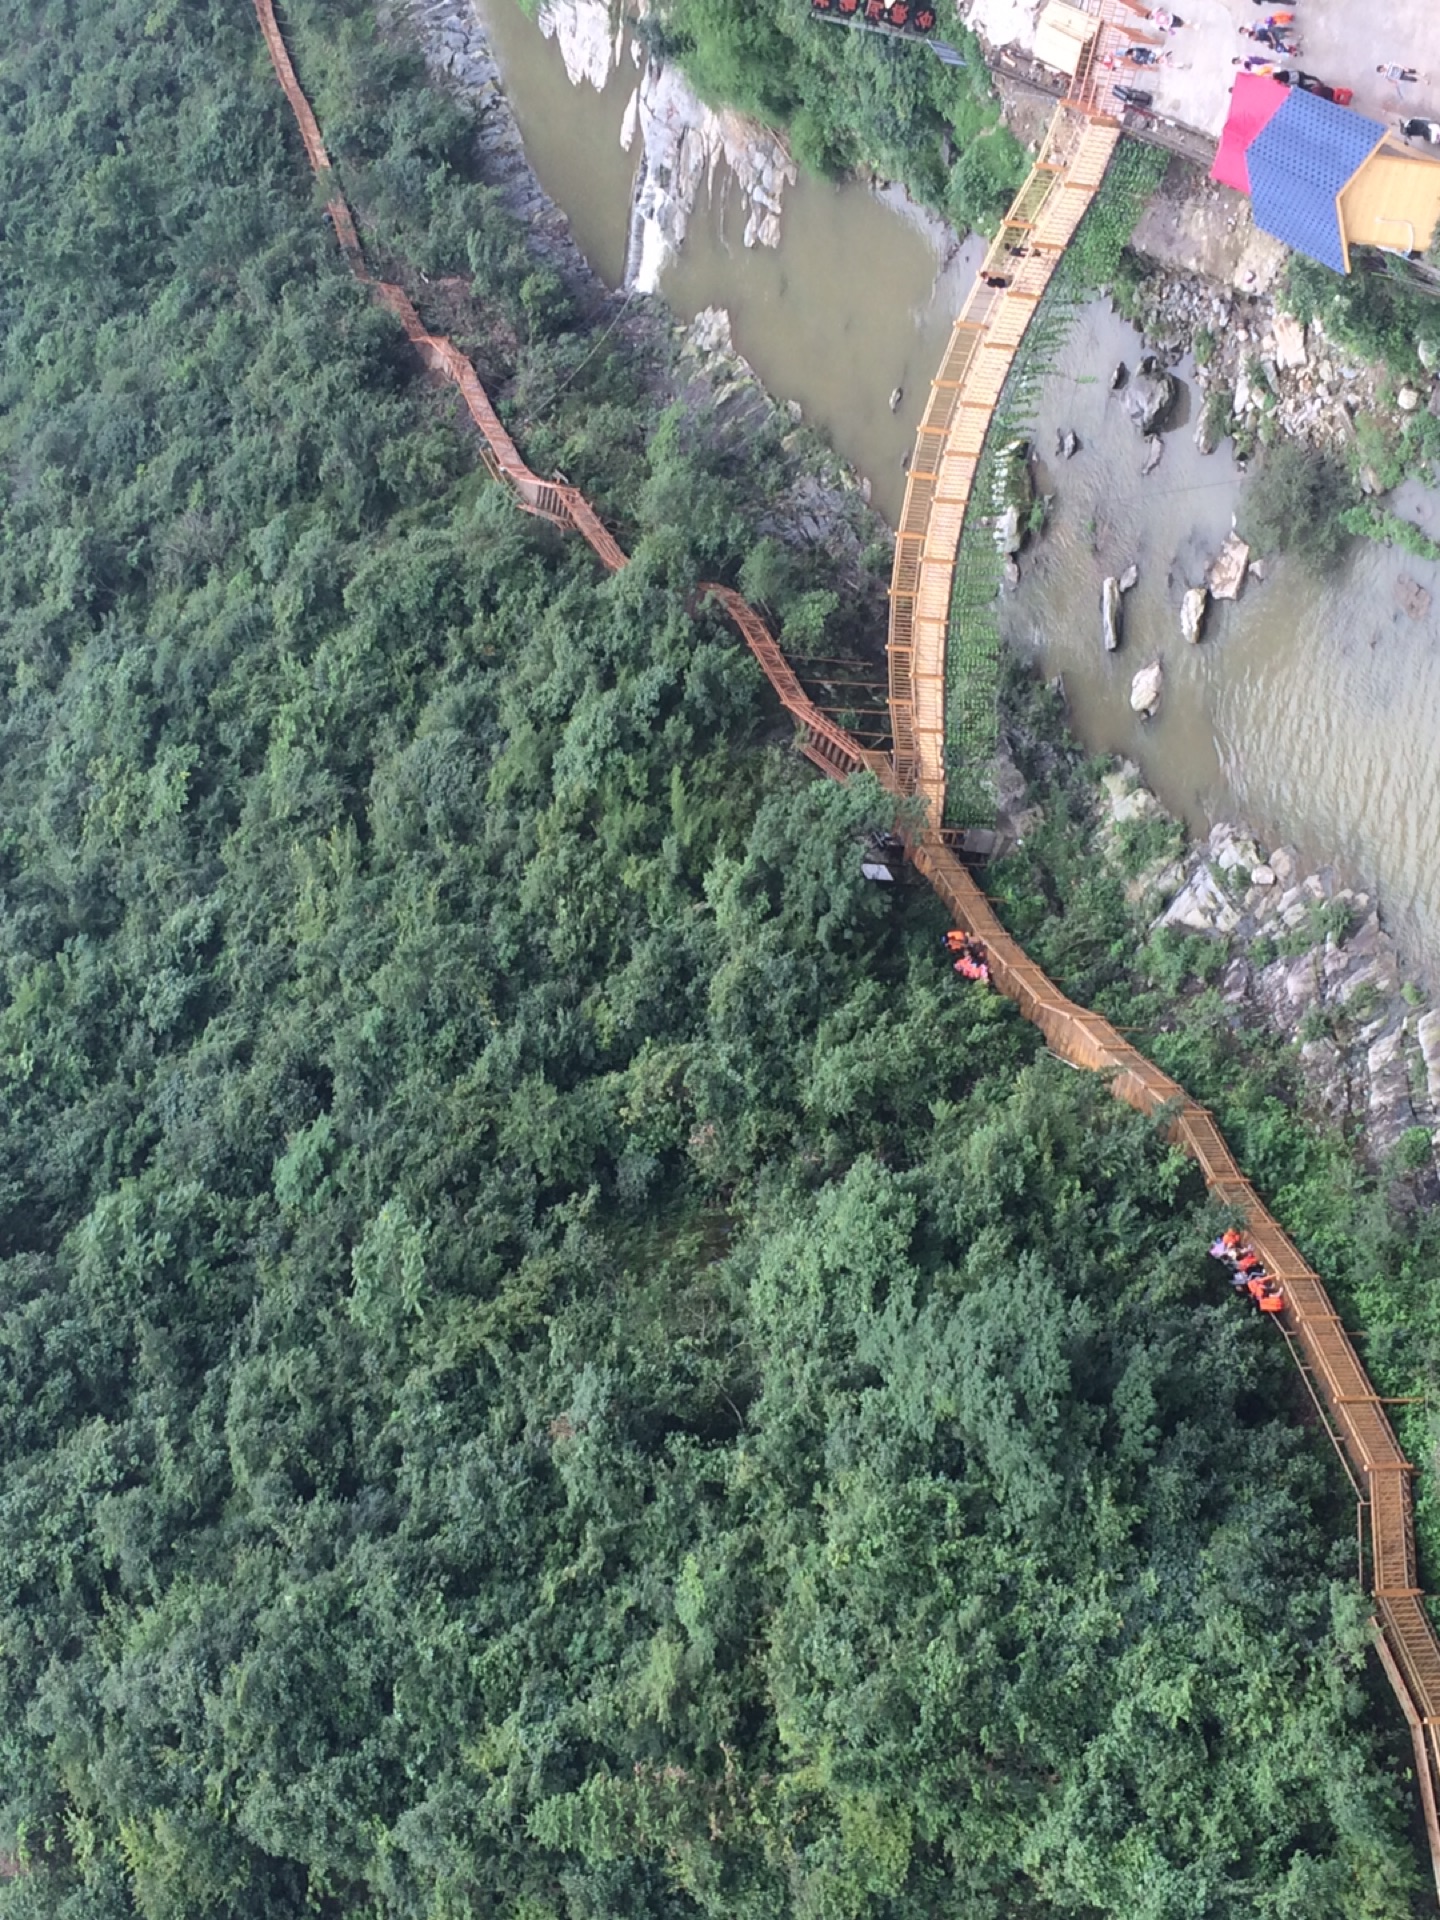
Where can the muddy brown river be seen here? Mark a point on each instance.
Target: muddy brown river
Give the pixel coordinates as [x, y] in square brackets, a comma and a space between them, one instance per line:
[1312, 708]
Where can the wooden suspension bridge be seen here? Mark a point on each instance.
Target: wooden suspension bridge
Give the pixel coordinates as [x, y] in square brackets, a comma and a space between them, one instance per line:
[1039, 225]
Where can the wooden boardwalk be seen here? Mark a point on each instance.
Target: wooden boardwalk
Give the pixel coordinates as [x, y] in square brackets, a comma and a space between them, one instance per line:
[951, 437]
[982, 347]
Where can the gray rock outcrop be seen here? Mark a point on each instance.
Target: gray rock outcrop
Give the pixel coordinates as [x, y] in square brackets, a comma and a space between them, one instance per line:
[1110, 592]
[1192, 614]
[1145, 689]
[1149, 398]
[1226, 572]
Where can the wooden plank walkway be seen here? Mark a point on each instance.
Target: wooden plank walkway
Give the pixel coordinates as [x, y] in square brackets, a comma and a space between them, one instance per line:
[951, 436]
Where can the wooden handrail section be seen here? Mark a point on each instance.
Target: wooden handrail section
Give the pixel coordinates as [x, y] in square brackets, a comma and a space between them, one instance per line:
[951, 436]
[1046, 211]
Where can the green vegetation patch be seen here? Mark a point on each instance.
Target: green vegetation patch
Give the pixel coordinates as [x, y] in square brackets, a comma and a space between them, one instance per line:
[854, 101]
[1297, 504]
[554, 1362]
[1384, 316]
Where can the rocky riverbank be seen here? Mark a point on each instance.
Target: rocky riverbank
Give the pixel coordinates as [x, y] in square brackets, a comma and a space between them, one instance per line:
[1260, 373]
[819, 503]
[1313, 956]
[458, 55]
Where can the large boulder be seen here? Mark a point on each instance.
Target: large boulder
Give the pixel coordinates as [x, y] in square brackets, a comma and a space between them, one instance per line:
[1008, 531]
[1110, 614]
[1201, 906]
[1145, 689]
[1192, 613]
[1149, 398]
[1227, 570]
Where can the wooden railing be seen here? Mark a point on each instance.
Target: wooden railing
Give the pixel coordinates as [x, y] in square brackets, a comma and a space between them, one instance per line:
[951, 435]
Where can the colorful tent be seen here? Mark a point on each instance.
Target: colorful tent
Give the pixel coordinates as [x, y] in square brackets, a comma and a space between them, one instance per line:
[1254, 102]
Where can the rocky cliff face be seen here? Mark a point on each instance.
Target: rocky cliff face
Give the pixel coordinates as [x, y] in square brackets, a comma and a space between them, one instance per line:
[683, 145]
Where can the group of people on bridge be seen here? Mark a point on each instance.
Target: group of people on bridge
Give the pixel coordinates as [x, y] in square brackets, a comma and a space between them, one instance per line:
[969, 956]
[1247, 1270]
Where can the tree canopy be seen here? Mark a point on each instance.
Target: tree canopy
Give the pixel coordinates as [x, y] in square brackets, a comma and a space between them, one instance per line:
[553, 1361]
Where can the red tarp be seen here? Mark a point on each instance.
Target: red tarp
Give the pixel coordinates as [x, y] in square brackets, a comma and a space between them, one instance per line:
[1254, 101]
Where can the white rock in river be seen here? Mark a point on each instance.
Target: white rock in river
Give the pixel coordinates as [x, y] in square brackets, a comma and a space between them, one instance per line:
[1008, 531]
[1129, 577]
[586, 39]
[1192, 613]
[1145, 689]
[1110, 614]
[1227, 569]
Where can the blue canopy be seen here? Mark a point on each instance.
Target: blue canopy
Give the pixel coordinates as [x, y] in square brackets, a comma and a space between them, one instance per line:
[1298, 163]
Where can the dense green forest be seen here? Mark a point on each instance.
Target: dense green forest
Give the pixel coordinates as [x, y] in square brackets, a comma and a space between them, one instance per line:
[553, 1362]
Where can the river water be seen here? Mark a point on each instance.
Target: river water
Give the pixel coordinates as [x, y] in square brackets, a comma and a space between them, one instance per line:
[1311, 710]
[856, 301]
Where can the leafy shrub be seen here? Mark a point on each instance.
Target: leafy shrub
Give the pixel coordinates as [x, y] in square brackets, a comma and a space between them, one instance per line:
[983, 180]
[1380, 316]
[1295, 505]
[1144, 842]
[1377, 523]
[1413, 1150]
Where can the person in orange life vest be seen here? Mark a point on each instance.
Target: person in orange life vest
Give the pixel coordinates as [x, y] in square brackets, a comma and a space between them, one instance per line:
[1272, 1300]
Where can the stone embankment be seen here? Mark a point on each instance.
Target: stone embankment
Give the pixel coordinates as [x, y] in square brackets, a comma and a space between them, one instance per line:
[456, 50]
[1313, 956]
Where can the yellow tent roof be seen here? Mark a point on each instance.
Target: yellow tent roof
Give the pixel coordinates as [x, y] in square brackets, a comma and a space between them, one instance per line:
[1063, 34]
